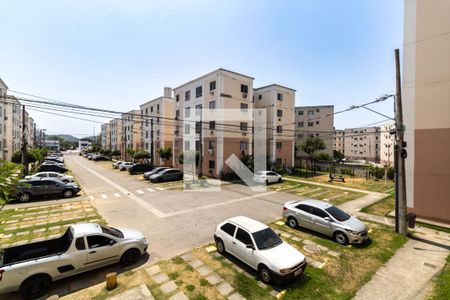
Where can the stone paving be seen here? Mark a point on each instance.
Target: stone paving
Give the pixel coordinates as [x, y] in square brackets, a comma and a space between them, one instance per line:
[168, 287]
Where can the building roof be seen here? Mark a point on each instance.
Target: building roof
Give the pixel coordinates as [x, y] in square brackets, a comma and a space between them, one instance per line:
[247, 223]
[217, 70]
[156, 99]
[3, 83]
[274, 85]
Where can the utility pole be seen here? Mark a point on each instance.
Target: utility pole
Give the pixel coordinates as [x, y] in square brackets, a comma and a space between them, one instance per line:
[151, 141]
[200, 150]
[24, 143]
[400, 182]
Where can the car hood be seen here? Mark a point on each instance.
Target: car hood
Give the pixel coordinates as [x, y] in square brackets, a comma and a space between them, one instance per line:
[283, 256]
[155, 175]
[354, 224]
[131, 233]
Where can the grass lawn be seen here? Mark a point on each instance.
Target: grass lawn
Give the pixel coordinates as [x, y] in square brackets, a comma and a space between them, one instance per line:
[382, 207]
[332, 195]
[441, 288]
[356, 183]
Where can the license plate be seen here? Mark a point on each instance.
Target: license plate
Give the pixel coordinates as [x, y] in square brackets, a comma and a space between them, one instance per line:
[298, 272]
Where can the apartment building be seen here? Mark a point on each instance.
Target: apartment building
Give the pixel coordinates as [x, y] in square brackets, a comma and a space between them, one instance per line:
[3, 89]
[158, 123]
[12, 127]
[279, 103]
[362, 143]
[31, 131]
[314, 121]
[426, 107]
[387, 142]
[216, 110]
[339, 141]
[116, 135]
[105, 136]
[131, 132]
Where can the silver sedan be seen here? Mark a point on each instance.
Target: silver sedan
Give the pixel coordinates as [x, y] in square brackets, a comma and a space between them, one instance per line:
[327, 219]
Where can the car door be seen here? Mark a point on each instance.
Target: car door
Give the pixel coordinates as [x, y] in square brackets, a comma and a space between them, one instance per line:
[228, 236]
[242, 239]
[319, 223]
[78, 258]
[36, 188]
[51, 187]
[272, 177]
[303, 215]
[101, 250]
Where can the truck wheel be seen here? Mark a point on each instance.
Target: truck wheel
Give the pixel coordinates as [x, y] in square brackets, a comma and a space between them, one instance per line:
[35, 286]
[24, 197]
[130, 257]
[67, 193]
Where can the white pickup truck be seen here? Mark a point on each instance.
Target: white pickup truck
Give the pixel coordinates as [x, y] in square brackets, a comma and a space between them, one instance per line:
[32, 267]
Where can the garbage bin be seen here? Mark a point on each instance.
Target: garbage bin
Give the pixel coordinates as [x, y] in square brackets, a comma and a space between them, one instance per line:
[411, 218]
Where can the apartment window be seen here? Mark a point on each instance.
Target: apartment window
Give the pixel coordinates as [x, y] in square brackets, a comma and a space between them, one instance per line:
[198, 91]
[198, 127]
[279, 96]
[317, 110]
[212, 125]
[310, 124]
[243, 145]
[187, 112]
[146, 134]
[317, 122]
[279, 113]
[187, 95]
[198, 109]
[157, 132]
[197, 146]
[259, 97]
[212, 164]
[146, 145]
[157, 108]
[244, 88]
[310, 112]
[243, 126]
[187, 129]
[244, 107]
[300, 136]
[146, 111]
[212, 105]
[212, 85]
[177, 114]
[279, 145]
[177, 97]
[300, 124]
[187, 145]
[279, 129]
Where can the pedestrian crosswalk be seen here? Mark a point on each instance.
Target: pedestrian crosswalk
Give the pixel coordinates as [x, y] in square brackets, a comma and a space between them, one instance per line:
[150, 190]
[107, 195]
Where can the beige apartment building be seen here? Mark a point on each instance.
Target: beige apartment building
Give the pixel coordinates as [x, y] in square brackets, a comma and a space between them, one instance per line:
[387, 142]
[362, 143]
[105, 136]
[131, 131]
[279, 103]
[426, 107]
[3, 89]
[158, 116]
[116, 135]
[12, 127]
[203, 110]
[339, 141]
[314, 121]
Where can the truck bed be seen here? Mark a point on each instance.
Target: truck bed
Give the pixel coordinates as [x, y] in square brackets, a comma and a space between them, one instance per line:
[36, 250]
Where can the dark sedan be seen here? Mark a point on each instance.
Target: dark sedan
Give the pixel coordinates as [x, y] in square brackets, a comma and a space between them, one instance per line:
[51, 168]
[139, 168]
[167, 175]
[147, 175]
[27, 189]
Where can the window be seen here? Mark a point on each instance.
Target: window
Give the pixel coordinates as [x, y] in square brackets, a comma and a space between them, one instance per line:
[187, 145]
[187, 112]
[151, 109]
[212, 164]
[279, 145]
[279, 129]
[243, 145]
[317, 122]
[300, 124]
[243, 237]
[212, 85]
[198, 109]
[212, 105]
[97, 241]
[212, 125]
[305, 208]
[228, 228]
[318, 212]
[243, 126]
[177, 114]
[210, 145]
[56, 175]
[187, 129]
[187, 95]
[198, 127]
[177, 97]
[79, 244]
[310, 112]
[310, 124]
[279, 113]
[244, 88]
[279, 96]
[244, 107]
[157, 108]
[317, 110]
[198, 91]
[259, 97]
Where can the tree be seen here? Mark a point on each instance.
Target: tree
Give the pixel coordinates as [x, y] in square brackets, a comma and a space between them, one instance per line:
[324, 156]
[248, 160]
[311, 146]
[338, 154]
[39, 153]
[141, 155]
[9, 176]
[115, 153]
[165, 154]
[130, 152]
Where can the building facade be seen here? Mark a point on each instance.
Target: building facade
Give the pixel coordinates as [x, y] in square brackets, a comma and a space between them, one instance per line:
[426, 107]
[12, 127]
[279, 103]
[116, 136]
[387, 142]
[131, 133]
[314, 121]
[3, 90]
[339, 141]
[362, 143]
[105, 136]
[83, 145]
[158, 116]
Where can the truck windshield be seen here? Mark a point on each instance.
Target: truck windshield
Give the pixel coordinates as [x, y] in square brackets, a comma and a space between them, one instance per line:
[112, 231]
[266, 239]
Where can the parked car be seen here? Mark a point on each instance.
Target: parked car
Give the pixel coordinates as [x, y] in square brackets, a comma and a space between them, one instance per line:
[261, 248]
[53, 163]
[327, 219]
[31, 268]
[123, 166]
[267, 177]
[30, 188]
[167, 175]
[55, 159]
[154, 171]
[139, 168]
[64, 178]
[51, 168]
[116, 164]
[100, 158]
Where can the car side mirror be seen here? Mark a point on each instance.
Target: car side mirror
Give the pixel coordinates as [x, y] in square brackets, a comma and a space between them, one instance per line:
[327, 219]
[112, 242]
[250, 246]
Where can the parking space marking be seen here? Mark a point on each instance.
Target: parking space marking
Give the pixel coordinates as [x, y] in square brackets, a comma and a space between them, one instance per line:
[150, 190]
[104, 196]
[117, 195]
[139, 192]
[91, 198]
[161, 189]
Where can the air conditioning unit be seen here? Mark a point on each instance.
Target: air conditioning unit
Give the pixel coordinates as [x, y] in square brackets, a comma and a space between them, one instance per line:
[244, 95]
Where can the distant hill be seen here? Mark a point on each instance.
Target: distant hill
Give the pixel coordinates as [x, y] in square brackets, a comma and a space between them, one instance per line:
[65, 137]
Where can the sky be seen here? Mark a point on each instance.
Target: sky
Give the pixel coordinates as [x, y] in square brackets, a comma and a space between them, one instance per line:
[119, 54]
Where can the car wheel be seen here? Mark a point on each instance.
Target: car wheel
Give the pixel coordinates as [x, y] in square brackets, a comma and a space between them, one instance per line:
[279, 180]
[220, 246]
[292, 222]
[265, 274]
[340, 238]
[24, 197]
[267, 182]
[130, 257]
[35, 286]
[67, 193]
[66, 181]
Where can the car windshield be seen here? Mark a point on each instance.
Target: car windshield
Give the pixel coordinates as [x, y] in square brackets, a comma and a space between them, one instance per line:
[112, 231]
[266, 239]
[337, 213]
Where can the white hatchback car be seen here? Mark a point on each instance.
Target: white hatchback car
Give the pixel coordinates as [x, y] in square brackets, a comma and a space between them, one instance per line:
[260, 247]
[267, 177]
